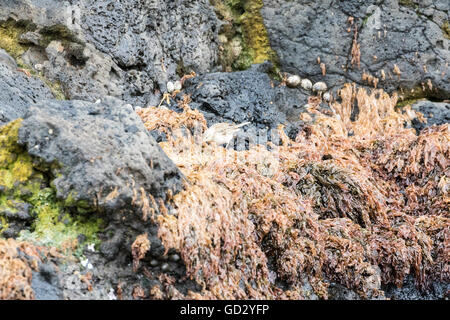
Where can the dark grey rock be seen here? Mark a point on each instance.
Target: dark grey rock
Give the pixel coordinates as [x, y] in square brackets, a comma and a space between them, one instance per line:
[7, 60]
[129, 48]
[389, 34]
[436, 114]
[408, 291]
[103, 149]
[248, 95]
[17, 92]
[46, 284]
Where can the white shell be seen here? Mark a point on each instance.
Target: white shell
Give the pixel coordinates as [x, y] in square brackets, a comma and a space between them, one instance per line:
[177, 85]
[170, 87]
[306, 84]
[327, 96]
[293, 81]
[320, 86]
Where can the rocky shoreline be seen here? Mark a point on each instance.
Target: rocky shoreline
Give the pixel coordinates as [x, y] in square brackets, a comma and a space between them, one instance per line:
[102, 198]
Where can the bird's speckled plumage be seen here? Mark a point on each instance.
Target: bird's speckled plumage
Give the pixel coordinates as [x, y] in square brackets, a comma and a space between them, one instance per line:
[222, 133]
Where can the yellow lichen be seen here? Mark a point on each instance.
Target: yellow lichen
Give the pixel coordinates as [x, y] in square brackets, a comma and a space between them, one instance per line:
[243, 37]
[22, 182]
[10, 32]
[255, 33]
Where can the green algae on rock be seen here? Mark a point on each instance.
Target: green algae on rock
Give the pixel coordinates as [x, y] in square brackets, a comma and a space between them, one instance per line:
[244, 38]
[28, 204]
[10, 33]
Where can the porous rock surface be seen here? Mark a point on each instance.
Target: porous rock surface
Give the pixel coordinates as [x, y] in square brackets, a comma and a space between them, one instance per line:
[408, 34]
[436, 113]
[248, 95]
[128, 49]
[99, 147]
[17, 91]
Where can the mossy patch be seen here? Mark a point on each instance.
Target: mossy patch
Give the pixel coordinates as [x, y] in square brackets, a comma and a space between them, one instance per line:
[10, 32]
[408, 3]
[26, 181]
[244, 36]
[54, 225]
[59, 33]
[446, 29]
[410, 96]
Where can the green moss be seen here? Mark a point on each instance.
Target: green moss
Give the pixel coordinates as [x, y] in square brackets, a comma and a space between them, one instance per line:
[404, 103]
[255, 33]
[408, 3]
[3, 224]
[53, 224]
[10, 32]
[15, 164]
[55, 86]
[446, 29]
[244, 35]
[24, 180]
[59, 33]
[410, 96]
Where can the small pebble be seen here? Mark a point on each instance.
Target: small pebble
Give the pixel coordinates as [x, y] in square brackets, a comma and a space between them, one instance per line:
[154, 263]
[293, 81]
[327, 96]
[320, 87]
[86, 264]
[170, 87]
[165, 267]
[91, 247]
[306, 84]
[174, 257]
[38, 67]
[111, 295]
[177, 85]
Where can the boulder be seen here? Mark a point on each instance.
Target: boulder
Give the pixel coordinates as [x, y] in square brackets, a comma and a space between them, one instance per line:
[396, 45]
[127, 49]
[101, 154]
[248, 95]
[436, 113]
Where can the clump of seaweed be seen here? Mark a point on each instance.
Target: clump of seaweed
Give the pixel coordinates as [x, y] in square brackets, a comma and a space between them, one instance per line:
[17, 261]
[335, 205]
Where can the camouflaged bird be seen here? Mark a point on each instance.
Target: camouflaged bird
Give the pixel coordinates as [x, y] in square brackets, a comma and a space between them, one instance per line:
[222, 133]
